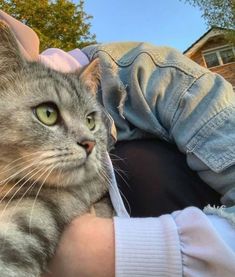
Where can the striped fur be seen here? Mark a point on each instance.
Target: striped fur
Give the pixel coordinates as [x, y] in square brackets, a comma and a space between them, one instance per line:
[46, 176]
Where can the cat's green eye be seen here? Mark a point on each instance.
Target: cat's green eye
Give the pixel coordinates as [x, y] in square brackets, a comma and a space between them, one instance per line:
[47, 114]
[90, 122]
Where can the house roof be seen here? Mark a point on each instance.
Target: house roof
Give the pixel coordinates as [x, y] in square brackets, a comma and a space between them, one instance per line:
[212, 32]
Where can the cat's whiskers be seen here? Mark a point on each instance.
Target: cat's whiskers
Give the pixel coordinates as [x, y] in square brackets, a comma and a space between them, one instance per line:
[111, 184]
[35, 161]
[15, 166]
[116, 168]
[118, 158]
[119, 170]
[120, 173]
[13, 187]
[15, 193]
[22, 157]
[46, 154]
[30, 187]
[123, 195]
[6, 181]
[50, 169]
[21, 198]
[102, 173]
[41, 159]
[38, 162]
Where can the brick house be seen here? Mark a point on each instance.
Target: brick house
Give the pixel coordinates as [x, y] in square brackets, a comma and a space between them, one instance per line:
[211, 50]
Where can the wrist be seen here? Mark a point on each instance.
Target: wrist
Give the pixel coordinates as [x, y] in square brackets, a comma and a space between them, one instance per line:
[95, 237]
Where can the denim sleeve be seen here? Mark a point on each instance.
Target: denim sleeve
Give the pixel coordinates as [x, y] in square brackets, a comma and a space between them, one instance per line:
[204, 128]
[157, 92]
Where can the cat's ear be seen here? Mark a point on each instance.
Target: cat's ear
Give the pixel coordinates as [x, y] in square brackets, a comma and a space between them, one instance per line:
[90, 76]
[10, 55]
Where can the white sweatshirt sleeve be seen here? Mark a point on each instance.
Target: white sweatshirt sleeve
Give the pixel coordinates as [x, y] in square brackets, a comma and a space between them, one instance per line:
[185, 243]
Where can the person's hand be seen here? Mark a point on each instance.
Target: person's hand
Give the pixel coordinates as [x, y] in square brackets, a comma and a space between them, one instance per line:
[86, 249]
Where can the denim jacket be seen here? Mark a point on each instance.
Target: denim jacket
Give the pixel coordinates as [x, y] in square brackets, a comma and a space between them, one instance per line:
[157, 92]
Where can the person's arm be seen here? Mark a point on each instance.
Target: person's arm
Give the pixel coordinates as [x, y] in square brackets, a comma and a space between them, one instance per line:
[185, 243]
[27, 39]
[86, 249]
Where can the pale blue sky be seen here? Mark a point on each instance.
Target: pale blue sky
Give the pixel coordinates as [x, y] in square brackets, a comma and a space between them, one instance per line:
[162, 22]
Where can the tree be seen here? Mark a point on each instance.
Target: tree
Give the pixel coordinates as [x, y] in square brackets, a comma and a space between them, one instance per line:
[219, 13]
[59, 23]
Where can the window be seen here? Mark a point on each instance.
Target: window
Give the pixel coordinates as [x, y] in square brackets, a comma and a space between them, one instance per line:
[211, 59]
[227, 56]
[219, 57]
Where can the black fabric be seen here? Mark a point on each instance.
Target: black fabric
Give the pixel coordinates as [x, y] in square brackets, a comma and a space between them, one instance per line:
[154, 179]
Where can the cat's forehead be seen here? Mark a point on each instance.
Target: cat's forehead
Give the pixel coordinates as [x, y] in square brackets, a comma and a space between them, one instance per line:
[64, 90]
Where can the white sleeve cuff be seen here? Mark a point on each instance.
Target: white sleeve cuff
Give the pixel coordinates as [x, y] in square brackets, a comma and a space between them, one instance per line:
[147, 247]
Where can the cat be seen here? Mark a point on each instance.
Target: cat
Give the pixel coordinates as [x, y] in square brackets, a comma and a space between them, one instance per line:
[53, 161]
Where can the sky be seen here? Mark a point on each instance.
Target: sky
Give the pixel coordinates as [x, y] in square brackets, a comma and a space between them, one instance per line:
[161, 22]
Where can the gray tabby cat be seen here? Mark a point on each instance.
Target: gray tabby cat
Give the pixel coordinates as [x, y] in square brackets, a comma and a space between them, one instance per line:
[53, 161]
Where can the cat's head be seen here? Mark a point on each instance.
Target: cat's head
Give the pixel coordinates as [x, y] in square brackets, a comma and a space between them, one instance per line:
[51, 127]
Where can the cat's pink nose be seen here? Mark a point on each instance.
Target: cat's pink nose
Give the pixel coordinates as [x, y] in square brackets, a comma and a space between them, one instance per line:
[88, 145]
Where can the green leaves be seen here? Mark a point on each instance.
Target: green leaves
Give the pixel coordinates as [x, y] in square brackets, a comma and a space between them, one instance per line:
[59, 23]
[219, 13]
